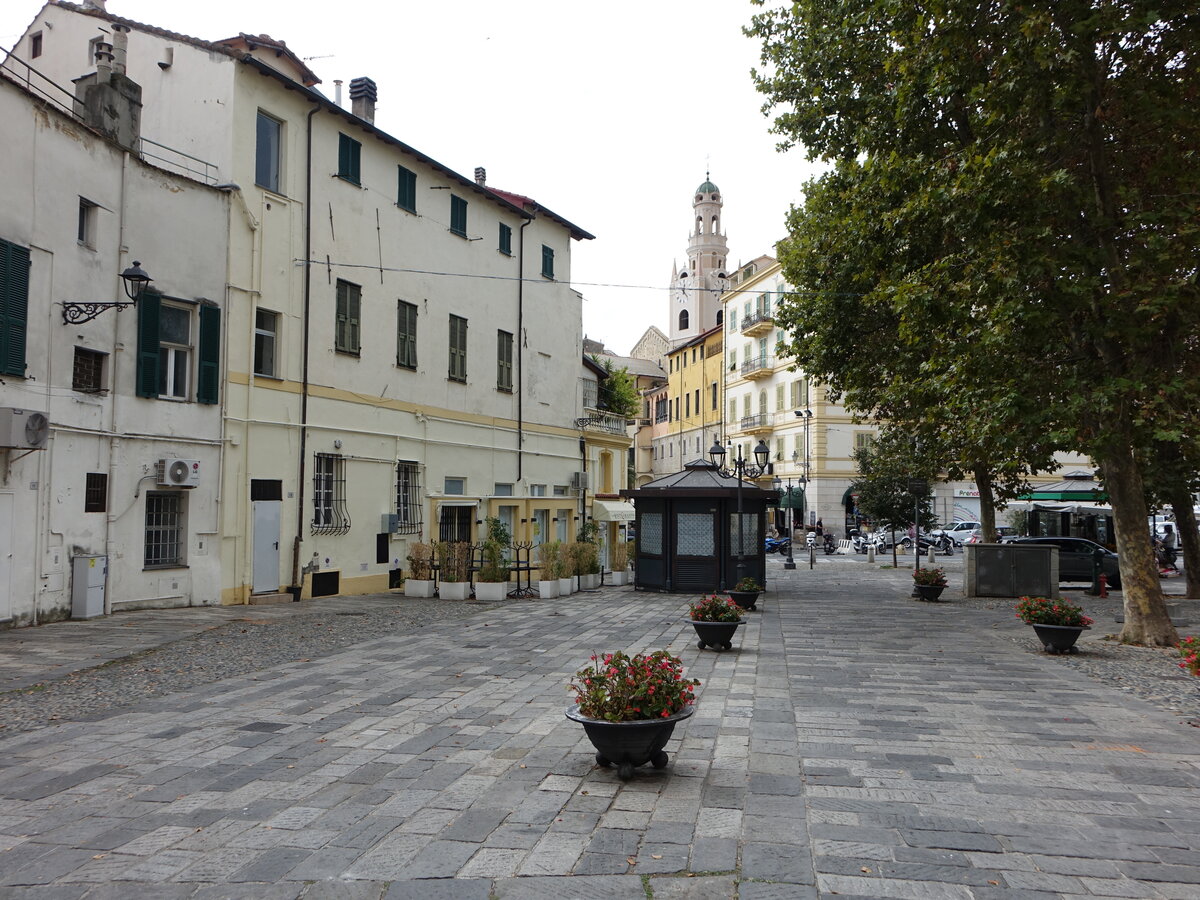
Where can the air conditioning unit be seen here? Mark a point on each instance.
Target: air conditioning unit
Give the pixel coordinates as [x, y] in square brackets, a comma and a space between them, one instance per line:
[579, 481]
[23, 429]
[179, 472]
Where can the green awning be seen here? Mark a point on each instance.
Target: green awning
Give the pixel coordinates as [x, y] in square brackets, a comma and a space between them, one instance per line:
[791, 500]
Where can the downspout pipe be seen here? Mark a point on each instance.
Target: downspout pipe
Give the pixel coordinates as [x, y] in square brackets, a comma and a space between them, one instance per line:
[297, 587]
[521, 346]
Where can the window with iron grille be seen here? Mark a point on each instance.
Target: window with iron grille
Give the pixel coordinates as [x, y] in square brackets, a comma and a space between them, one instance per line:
[329, 495]
[164, 529]
[95, 493]
[406, 336]
[504, 361]
[458, 348]
[87, 374]
[408, 497]
[458, 215]
[348, 326]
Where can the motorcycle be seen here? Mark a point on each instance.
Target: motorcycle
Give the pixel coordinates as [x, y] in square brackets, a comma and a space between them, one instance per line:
[830, 544]
[777, 545]
[943, 544]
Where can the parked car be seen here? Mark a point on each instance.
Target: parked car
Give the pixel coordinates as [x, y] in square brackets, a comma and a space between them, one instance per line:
[1003, 534]
[956, 531]
[1075, 558]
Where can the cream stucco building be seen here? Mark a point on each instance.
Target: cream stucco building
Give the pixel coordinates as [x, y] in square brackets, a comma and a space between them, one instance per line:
[401, 342]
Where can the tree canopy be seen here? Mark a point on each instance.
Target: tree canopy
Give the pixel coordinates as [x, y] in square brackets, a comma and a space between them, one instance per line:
[1006, 243]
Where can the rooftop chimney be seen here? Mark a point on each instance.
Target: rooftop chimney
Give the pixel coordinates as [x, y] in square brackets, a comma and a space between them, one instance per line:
[120, 45]
[104, 60]
[480, 175]
[362, 98]
[94, 4]
[337, 92]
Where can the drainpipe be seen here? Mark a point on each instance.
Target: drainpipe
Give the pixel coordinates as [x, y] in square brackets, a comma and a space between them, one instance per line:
[520, 348]
[297, 585]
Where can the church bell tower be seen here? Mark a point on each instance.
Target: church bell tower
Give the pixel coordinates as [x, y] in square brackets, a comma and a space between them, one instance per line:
[696, 289]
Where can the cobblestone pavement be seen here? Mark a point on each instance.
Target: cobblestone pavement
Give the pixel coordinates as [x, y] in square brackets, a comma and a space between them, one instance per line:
[854, 744]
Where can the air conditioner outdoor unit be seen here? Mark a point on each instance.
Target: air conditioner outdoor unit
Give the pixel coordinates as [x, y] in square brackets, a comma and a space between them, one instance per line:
[579, 481]
[179, 472]
[23, 429]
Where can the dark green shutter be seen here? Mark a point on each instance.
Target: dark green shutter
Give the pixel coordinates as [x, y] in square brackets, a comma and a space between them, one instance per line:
[148, 337]
[348, 158]
[14, 306]
[208, 383]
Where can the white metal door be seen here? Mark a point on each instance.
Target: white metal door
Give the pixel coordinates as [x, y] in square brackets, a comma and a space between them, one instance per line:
[6, 556]
[266, 545]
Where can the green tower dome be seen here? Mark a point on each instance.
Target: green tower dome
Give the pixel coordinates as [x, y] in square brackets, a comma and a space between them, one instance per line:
[708, 188]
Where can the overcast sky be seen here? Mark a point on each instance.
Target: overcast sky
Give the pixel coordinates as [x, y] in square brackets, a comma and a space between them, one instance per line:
[607, 113]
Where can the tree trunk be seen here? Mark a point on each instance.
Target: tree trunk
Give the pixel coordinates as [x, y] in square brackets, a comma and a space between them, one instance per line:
[1189, 536]
[895, 562]
[987, 503]
[1146, 618]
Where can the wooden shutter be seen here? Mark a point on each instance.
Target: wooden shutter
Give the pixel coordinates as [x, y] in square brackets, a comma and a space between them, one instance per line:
[208, 382]
[148, 349]
[14, 306]
[406, 343]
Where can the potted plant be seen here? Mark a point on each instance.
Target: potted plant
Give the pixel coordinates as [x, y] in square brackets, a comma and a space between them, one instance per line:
[420, 573]
[588, 562]
[715, 620]
[549, 554]
[745, 593]
[628, 707]
[620, 563]
[1057, 624]
[929, 583]
[455, 561]
[492, 582]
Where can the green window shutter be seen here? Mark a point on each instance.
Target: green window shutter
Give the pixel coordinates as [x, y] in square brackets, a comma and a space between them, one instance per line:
[406, 194]
[349, 151]
[208, 383]
[148, 343]
[547, 261]
[406, 338]
[14, 306]
[458, 348]
[458, 215]
[504, 354]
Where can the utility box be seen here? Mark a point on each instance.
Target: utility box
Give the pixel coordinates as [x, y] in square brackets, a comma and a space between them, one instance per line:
[1011, 570]
[89, 577]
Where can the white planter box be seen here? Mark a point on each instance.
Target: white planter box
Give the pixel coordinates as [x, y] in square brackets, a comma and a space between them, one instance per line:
[589, 582]
[548, 590]
[566, 586]
[454, 590]
[418, 588]
[620, 579]
[491, 591]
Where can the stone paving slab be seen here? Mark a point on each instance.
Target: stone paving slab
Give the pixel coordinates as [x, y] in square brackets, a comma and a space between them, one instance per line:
[855, 743]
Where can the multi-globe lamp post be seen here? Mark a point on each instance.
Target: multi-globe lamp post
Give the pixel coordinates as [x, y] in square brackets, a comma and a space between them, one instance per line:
[741, 468]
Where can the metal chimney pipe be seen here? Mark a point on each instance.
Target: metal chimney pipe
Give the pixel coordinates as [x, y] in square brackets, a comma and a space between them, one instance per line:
[104, 60]
[337, 91]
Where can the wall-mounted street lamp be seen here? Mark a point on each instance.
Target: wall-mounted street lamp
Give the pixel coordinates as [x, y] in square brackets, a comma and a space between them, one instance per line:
[134, 279]
[741, 468]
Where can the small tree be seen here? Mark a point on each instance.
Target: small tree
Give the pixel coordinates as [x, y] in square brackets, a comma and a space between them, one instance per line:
[617, 389]
[886, 466]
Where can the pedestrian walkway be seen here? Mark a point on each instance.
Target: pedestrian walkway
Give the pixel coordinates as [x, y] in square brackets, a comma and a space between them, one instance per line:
[854, 744]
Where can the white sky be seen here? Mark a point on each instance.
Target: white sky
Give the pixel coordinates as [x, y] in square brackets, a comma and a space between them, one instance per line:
[607, 113]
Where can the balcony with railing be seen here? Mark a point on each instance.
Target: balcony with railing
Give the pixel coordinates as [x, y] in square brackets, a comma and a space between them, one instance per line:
[758, 322]
[758, 367]
[602, 420]
[755, 424]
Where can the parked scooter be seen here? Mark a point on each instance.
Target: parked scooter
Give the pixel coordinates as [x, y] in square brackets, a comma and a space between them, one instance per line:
[830, 544]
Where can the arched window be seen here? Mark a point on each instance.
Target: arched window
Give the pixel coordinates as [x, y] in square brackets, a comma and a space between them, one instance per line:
[716, 225]
[720, 316]
[699, 225]
[683, 320]
[762, 403]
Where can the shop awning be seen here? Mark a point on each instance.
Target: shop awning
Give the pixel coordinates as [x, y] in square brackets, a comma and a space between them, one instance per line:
[793, 499]
[612, 511]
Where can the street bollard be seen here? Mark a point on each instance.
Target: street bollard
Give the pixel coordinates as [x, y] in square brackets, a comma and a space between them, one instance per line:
[932, 554]
[1097, 575]
[870, 553]
[1103, 585]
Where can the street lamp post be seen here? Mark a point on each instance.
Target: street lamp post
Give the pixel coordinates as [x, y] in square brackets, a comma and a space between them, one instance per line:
[741, 468]
[791, 524]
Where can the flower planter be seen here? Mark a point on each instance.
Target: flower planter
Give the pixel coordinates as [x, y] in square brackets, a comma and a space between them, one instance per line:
[491, 591]
[715, 634]
[745, 599]
[1059, 638]
[929, 592]
[619, 579]
[418, 588]
[589, 582]
[629, 744]
[454, 590]
[566, 586]
[548, 588]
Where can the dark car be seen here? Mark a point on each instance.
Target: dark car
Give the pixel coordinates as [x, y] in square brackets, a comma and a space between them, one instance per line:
[1075, 558]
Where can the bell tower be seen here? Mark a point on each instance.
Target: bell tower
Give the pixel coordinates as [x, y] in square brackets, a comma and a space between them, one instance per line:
[696, 289]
